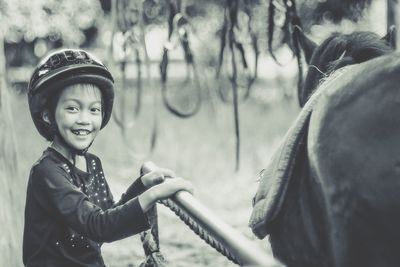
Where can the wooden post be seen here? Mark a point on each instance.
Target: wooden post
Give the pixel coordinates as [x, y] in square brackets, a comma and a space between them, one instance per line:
[248, 253]
[244, 249]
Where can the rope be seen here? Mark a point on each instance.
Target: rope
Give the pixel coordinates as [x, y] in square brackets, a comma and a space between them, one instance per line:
[254, 44]
[228, 34]
[231, 22]
[233, 11]
[271, 28]
[177, 26]
[151, 243]
[229, 41]
[198, 230]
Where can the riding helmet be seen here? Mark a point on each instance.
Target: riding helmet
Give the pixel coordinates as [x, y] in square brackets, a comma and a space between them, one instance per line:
[63, 68]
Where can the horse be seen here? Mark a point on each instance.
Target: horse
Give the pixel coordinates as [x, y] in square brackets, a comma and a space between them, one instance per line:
[330, 195]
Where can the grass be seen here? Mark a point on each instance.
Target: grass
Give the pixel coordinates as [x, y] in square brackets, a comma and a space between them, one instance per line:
[200, 149]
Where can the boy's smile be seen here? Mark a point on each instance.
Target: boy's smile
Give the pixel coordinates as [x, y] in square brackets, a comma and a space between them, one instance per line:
[81, 132]
[78, 115]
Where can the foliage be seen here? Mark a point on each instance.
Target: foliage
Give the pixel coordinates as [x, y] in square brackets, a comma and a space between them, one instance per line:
[316, 12]
[55, 19]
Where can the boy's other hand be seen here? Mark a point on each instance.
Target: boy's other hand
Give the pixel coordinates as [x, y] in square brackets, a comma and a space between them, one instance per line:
[164, 190]
[153, 175]
[170, 187]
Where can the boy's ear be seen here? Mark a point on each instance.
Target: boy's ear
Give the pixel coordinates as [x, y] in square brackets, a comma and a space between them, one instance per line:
[45, 116]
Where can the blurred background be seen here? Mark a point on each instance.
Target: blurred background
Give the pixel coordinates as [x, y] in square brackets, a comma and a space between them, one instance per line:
[176, 75]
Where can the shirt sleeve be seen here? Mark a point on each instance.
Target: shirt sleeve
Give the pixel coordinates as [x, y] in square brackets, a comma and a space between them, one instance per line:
[63, 199]
[134, 190]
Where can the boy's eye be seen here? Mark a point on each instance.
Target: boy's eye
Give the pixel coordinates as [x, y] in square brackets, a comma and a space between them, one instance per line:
[96, 110]
[72, 108]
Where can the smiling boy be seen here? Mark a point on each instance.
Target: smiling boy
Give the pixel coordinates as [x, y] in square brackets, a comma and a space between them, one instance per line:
[69, 209]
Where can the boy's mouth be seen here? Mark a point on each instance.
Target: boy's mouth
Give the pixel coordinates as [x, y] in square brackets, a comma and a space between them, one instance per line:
[81, 132]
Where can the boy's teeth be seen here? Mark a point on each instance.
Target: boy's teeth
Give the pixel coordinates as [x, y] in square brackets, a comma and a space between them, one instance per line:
[81, 132]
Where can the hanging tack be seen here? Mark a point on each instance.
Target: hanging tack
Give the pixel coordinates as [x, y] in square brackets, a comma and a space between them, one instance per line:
[178, 35]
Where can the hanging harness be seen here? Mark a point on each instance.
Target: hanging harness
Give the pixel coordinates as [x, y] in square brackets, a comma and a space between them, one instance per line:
[178, 28]
[231, 24]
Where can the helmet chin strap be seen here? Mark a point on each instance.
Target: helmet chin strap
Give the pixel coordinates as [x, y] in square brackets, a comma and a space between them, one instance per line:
[73, 151]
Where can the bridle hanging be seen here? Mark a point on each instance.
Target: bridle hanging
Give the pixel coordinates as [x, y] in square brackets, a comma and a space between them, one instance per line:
[231, 18]
[178, 27]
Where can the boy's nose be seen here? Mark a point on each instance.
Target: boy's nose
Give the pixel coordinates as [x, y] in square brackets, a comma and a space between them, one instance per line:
[83, 118]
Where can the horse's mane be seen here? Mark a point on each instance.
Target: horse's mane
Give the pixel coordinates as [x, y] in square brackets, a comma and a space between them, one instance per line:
[341, 50]
[359, 47]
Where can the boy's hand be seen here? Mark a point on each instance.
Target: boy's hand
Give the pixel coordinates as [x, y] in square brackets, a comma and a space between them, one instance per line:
[154, 175]
[164, 190]
[170, 187]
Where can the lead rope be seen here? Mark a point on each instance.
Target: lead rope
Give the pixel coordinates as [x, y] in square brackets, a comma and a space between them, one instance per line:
[199, 231]
[151, 243]
[150, 238]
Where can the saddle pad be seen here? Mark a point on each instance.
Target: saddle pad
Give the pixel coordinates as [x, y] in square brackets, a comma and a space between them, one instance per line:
[276, 177]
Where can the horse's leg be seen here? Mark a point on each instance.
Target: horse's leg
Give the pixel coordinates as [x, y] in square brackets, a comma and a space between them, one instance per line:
[354, 149]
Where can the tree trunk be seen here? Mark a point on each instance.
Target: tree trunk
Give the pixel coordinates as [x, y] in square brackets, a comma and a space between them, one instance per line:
[11, 199]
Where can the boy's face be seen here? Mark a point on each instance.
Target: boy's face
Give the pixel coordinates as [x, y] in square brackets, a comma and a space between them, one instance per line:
[78, 115]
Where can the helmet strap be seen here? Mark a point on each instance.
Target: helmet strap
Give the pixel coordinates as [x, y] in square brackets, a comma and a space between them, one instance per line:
[72, 151]
[53, 129]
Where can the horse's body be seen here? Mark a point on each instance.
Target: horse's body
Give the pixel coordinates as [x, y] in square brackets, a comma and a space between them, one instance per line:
[354, 150]
[331, 195]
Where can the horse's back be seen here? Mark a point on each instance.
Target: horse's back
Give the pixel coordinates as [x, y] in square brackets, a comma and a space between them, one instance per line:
[354, 149]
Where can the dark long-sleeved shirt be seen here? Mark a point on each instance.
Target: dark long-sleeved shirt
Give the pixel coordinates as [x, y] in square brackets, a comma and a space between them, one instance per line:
[69, 213]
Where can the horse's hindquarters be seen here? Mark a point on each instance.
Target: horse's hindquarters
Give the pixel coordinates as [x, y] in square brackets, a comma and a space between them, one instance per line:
[354, 149]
